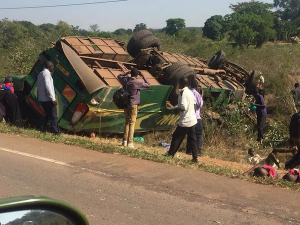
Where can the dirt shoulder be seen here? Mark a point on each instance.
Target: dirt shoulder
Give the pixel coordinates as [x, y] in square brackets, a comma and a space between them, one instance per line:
[156, 154]
[117, 185]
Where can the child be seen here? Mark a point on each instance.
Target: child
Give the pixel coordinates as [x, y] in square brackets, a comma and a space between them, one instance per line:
[292, 176]
[262, 171]
[271, 160]
[8, 85]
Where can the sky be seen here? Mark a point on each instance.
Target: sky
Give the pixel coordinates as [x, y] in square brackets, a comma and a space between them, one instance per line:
[10, 216]
[112, 16]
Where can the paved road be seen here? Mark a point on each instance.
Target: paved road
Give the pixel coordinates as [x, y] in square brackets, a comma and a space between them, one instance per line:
[114, 189]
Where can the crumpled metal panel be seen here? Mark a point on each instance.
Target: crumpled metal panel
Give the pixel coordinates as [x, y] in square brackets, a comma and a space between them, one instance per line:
[90, 80]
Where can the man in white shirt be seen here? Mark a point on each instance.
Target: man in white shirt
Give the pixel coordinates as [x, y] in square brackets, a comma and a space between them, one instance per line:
[46, 95]
[187, 121]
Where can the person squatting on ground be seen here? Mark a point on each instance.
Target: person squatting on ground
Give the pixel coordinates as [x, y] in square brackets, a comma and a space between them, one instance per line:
[262, 171]
[198, 127]
[9, 105]
[133, 85]
[296, 95]
[271, 160]
[8, 85]
[261, 113]
[187, 121]
[46, 96]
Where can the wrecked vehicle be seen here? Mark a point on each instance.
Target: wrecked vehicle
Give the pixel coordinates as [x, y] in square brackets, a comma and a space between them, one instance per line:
[218, 78]
[85, 79]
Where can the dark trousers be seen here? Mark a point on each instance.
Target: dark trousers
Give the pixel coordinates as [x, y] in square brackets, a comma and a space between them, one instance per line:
[199, 133]
[178, 137]
[51, 116]
[261, 121]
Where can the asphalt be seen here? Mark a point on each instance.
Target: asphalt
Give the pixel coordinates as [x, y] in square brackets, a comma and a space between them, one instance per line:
[115, 189]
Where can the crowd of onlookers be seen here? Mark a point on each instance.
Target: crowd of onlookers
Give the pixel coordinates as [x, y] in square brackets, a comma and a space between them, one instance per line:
[189, 103]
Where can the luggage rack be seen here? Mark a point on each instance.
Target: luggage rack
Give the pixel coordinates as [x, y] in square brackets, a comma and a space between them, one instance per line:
[108, 70]
[97, 47]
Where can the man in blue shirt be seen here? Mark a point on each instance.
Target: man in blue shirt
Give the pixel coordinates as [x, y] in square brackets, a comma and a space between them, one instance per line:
[261, 113]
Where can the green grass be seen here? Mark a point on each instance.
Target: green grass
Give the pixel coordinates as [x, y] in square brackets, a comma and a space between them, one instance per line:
[143, 154]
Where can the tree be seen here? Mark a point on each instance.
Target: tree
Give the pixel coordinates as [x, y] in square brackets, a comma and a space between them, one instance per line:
[214, 28]
[120, 31]
[284, 29]
[174, 26]
[288, 9]
[247, 29]
[251, 23]
[63, 29]
[12, 33]
[287, 19]
[265, 28]
[94, 28]
[48, 27]
[239, 30]
[129, 31]
[254, 7]
[140, 26]
[83, 32]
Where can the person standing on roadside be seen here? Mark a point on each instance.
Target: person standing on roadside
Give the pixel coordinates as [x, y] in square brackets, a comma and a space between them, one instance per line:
[187, 121]
[296, 95]
[294, 130]
[133, 85]
[261, 113]
[198, 127]
[46, 96]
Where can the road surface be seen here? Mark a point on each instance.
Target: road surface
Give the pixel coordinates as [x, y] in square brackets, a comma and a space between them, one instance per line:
[115, 189]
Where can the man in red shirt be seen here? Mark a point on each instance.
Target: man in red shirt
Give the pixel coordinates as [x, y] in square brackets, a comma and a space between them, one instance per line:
[262, 171]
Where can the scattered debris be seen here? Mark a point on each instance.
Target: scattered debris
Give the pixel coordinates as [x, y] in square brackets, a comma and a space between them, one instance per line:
[140, 139]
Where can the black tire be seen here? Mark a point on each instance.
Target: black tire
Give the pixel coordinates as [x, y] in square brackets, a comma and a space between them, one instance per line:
[136, 38]
[171, 70]
[147, 42]
[217, 60]
[185, 72]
